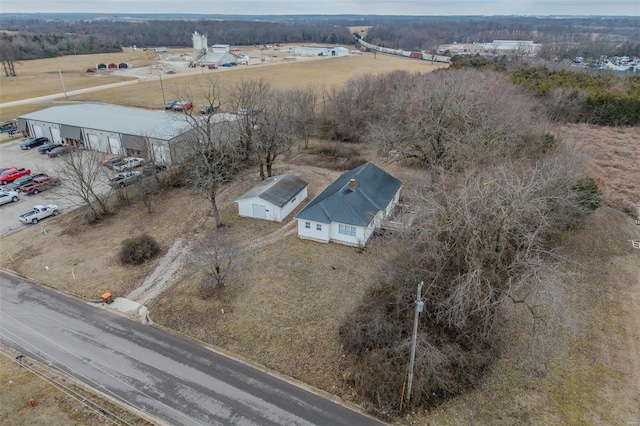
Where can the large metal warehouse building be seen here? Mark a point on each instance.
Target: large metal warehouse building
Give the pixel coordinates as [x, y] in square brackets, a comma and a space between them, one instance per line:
[116, 129]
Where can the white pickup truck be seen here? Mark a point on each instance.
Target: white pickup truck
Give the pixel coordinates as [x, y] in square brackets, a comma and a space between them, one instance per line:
[125, 178]
[38, 213]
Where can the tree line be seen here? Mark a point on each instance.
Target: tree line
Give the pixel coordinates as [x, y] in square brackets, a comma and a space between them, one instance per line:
[34, 39]
[571, 96]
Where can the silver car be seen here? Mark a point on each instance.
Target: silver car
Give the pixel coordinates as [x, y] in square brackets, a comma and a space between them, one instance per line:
[8, 197]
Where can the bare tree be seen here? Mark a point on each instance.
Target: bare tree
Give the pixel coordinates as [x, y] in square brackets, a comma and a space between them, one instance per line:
[85, 181]
[214, 258]
[303, 117]
[274, 135]
[8, 55]
[249, 99]
[447, 119]
[212, 155]
[483, 240]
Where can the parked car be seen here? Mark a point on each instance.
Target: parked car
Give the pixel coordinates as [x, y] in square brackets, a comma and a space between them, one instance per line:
[38, 213]
[10, 175]
[170, 104]
[40, 184]
[33, 142]
[209, 109]
[43, 149]
[150, 169]
[110, 159]
[125, 179]
[128, 163]
[182, 106]
[61, 150]
[8, 197]
[16, 184]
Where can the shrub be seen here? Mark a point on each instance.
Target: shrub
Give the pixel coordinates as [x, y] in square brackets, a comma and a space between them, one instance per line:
[589, 195]
[137, 250]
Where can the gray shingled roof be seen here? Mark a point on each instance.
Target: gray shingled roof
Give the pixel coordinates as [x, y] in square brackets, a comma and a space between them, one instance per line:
[375, 189]
[277, 190]
[118, 119]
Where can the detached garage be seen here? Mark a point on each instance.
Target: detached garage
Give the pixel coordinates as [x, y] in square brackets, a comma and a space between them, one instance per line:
[274, 198]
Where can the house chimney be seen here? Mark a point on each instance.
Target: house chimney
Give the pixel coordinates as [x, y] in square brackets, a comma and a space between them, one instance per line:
[352, 185]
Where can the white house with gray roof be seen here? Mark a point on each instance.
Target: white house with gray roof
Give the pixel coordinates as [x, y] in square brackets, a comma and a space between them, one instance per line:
[116, 129]
[273, 198]
[351, 208]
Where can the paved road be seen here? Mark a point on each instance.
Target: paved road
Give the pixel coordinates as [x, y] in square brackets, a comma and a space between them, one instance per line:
[168, 377]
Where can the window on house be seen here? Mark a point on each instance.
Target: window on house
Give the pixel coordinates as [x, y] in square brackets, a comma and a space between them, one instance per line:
[347, 230]
[318, 227]
[307, 225]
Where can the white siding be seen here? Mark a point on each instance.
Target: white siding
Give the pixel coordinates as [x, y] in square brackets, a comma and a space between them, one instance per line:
[293, 203]
[246, 209]
[37, 131]
[312, 233]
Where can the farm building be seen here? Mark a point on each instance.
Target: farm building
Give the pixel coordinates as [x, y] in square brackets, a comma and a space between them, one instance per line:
[115, 129]
[274, 198]
[351, 208]
[321, 51]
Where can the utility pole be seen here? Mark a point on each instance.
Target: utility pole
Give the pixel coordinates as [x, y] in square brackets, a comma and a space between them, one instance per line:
[62, 80]
[164, 101]
[419, 308]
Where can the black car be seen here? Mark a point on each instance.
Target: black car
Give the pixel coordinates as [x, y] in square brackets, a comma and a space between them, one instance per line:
[33, 142]
[16, 184]
[170, 104]
[61, 150]
[48, 147]
[209, 109]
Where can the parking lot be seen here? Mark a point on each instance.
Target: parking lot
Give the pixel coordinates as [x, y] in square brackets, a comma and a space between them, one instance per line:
[12, 156]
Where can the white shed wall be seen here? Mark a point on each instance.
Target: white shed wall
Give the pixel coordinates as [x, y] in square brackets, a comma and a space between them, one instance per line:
[245, 209]
[293, 203]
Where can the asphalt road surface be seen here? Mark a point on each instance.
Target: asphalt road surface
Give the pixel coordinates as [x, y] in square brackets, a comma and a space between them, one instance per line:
[168, 377]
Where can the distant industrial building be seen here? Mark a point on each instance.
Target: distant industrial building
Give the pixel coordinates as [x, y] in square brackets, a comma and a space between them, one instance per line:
[219, 55]
[321, 51]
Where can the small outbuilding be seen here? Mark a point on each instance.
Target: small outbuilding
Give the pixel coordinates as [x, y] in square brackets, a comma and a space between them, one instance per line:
[274, 198]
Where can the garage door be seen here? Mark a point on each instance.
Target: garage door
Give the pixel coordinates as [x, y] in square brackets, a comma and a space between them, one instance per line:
[97, 144]
[259, 211]
[114, 145]
[55, 135]
[37, 131]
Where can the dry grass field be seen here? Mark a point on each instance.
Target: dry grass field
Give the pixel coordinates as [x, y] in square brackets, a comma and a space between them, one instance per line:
[40, 77]
[286, 297]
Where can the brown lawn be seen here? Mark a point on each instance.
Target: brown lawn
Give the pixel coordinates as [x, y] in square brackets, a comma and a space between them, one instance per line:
[286, 297]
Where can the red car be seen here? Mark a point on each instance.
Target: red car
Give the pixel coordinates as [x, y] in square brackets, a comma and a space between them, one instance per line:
[183, 106]
[10, 175]
[40, 184]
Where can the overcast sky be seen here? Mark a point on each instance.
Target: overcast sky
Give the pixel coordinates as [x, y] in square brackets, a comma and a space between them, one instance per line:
[330, 7]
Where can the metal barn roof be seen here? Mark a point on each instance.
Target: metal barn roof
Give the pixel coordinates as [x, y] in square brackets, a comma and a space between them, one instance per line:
[277, 190]
[117, 119]
[374, 190]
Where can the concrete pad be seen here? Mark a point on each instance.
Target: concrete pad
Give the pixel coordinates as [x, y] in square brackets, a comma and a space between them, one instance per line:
[125, 306]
